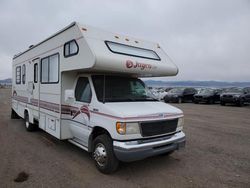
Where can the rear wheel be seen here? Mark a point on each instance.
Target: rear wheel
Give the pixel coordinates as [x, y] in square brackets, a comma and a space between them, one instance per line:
[222, 103]
[179, 100]
[29, 126]
[210, 101]
[240, 103]
[103, 154]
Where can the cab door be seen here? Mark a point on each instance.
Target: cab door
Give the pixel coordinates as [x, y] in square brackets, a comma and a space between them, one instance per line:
[80, 124]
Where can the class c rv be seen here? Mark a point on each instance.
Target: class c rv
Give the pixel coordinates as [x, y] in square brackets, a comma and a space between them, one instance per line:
[82, 85]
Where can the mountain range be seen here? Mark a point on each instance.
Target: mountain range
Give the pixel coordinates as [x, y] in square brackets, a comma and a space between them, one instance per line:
[158, 83]
[216, 84]
[7, 81]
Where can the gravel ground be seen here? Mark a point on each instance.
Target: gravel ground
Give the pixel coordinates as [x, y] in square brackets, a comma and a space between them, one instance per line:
[217, 154]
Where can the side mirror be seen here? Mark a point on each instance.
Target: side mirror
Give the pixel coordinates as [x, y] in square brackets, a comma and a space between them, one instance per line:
[69, 96]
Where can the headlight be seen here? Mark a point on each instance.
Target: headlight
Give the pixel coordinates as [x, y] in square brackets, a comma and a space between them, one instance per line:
[127, 128]
[180, 123]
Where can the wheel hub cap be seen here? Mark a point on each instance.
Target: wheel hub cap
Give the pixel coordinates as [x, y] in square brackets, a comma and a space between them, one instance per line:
[100, 154]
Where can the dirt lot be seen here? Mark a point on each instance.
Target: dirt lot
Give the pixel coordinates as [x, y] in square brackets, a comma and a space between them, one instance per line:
[217, 154]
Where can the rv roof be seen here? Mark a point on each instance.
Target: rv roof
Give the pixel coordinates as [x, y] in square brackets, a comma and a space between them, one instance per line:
[57, 33]
[105, 51]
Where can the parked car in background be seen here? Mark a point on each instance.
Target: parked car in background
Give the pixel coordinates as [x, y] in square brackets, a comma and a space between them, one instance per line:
[180, 95]
[208, 96]
[168, 89]
[237, 96]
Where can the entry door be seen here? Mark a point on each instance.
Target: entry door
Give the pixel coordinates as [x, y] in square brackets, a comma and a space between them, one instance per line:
[35, 86]
[80, 126]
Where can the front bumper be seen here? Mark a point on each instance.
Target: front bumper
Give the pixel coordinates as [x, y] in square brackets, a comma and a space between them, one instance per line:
[230, 100]
[137, 150]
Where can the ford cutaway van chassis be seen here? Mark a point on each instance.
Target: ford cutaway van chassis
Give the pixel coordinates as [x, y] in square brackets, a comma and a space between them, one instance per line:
[82, 85]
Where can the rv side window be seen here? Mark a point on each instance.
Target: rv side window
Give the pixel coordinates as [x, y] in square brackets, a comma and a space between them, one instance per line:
[35, 73]
[83, 90]
[123, 49]
[50, 69]
[23, 74]
[18, 75]
[70, 48]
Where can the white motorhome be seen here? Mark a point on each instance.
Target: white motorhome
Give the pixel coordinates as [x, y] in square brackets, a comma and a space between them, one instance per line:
[81, 84]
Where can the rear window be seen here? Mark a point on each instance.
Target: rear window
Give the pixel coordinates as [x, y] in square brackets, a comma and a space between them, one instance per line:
[131, 50]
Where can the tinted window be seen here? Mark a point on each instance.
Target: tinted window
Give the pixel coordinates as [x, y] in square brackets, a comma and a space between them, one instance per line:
[45, 70]
[35, 72]
[23, 74]
[120, 89]
[18, 75]
[50, 69]
[83, 90]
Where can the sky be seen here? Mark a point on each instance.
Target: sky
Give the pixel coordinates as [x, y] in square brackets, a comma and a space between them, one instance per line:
[207, 40]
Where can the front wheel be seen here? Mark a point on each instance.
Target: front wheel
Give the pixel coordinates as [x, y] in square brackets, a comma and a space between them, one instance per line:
[103, 154]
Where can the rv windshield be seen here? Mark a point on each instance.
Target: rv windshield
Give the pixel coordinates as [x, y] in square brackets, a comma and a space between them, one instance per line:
[120, 89]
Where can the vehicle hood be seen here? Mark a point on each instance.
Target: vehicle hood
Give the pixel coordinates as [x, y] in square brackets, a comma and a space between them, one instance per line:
[173, 94]
[142, 109]
[203, 95]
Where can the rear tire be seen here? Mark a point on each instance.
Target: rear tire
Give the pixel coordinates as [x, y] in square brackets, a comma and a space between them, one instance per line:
[103, 154]
[222, 103]
[29, 126]
[240, 103]
[179, 100]
[210, 101]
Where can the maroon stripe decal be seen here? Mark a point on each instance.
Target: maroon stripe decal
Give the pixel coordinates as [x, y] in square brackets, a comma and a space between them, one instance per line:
[72, 110]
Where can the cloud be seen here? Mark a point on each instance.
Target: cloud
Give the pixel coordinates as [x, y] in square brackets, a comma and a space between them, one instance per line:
[208, 40]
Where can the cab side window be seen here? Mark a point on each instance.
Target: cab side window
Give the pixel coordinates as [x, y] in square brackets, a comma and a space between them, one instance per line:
[83, 91]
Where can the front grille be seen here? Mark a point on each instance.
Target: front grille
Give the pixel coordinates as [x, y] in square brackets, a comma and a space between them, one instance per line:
[158, 127]
[198, 97]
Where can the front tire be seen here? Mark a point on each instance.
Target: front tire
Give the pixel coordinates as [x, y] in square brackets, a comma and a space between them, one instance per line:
[103, 154]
